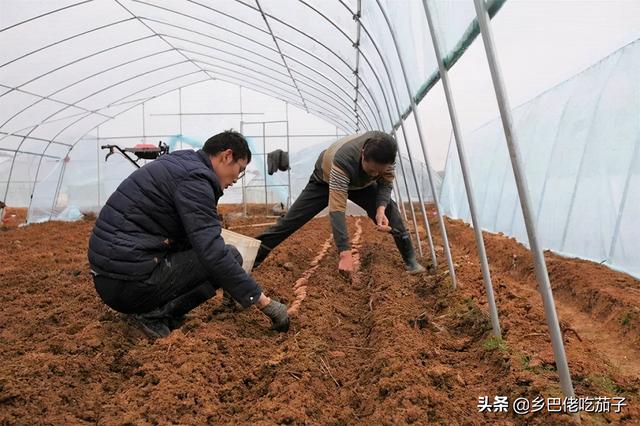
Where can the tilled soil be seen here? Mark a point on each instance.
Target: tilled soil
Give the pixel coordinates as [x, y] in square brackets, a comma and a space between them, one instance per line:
[384, 348]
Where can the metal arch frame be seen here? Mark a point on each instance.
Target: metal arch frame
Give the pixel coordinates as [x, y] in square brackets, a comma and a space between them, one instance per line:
[134, 17]
[312, 97]
[150, 36]
[275, 41]
[188, 59]
[260, 44]
[412, 210]
[286, 24]
[28, 135]
[35, 154]
[145, 100]
[373, 98]
[356, 45]
[155, 33]
[66, 39]
[41, 98]
[464, 165]
[332, 119]
[358, 78]
[337, 97]
[223, 60]
[284, 41]
[315, 41]
[443, 230]
[393, 133]
[258, 29]
[60, 178]
[245, 50]
[78, 82]
[51, 12]
[72, 124]
[283, 83]
[36, 138]
[225, 42]
[284, 90]
[542, 275]
[85, 116]
[139, 91]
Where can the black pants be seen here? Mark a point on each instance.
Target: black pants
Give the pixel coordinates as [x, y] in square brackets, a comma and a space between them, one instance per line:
[179, 280]
[315, 197]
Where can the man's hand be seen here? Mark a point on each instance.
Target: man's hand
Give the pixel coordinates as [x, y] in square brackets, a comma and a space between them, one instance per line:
[345, 266]
[381, 218]
[277, 312]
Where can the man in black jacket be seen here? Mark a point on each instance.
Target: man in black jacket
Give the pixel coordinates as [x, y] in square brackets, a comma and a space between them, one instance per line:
[156, 250]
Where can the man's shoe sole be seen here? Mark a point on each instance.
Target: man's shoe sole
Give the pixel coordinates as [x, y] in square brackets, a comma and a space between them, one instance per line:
[152, 332]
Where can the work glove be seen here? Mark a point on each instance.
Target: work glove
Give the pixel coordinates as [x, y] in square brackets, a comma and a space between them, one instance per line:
[345, 266]
[278, 313]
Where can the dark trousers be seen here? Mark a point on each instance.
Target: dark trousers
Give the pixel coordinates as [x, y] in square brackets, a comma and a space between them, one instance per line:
[315, 197]
[179, 284]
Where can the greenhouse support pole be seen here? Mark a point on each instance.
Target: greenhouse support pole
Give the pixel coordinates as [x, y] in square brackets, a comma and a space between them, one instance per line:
[180, 116]
[396, 189]
[35, 182]
[59, 184]
[464, 164]
[286, 110]
[264, 157]
[13, 162]
[523, 192]
[244, 181]
[98, 163]
[144, 127]
[443, 230]
[412, 210]
[396, 194]
[434, 259]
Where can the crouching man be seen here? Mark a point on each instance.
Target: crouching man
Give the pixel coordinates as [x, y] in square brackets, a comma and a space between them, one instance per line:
[156, 251]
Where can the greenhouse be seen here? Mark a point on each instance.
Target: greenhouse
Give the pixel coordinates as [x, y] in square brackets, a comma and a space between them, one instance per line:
[514, 186]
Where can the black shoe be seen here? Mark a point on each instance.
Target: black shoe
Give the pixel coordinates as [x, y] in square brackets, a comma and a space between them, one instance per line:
[176, 322]
[152, 327]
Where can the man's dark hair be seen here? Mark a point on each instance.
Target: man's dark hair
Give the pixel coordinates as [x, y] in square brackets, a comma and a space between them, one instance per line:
[380, 148]
[229, 139]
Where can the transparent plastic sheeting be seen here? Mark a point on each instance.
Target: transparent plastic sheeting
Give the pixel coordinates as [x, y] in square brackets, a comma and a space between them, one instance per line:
[580, 144]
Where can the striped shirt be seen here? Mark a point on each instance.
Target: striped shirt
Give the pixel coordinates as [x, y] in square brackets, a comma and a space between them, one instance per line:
[340, 166]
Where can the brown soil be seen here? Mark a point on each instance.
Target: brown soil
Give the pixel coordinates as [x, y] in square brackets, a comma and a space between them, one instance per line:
[386, 348]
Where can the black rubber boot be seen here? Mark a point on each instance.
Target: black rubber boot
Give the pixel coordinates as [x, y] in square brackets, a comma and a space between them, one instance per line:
[405, 247]
[154, 328]
[173, 313]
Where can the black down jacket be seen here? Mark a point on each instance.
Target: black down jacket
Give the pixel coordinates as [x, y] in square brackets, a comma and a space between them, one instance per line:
[167, 205]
